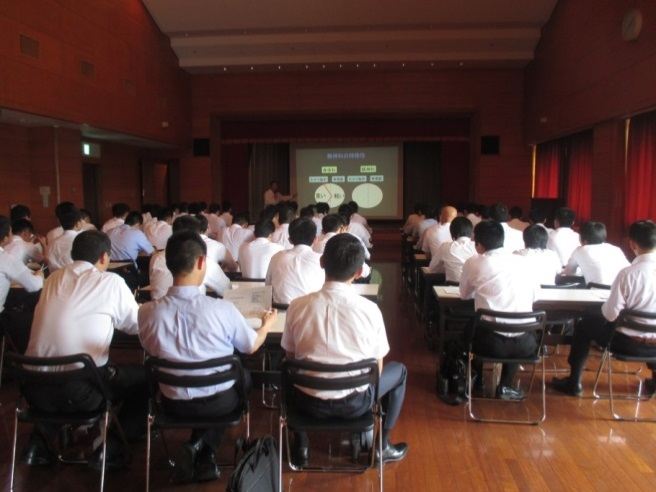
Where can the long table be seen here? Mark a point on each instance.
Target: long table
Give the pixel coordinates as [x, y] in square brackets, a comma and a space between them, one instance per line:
[576, 301]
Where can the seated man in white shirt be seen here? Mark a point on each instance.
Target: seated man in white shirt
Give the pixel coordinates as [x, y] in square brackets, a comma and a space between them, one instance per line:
[159, 230]
[356, 217]
[86, 221]
[516, 221]
[450, 257]
[296, 272]
[216, 251]
[24, 245]
[414, 218]
[597, 261]
[439, 233]
[119, 213]
[255, 255]
[544, 262]
[12, 269]
[226, 213]
[79, 308]
[563, 240]
[430, 219]
[513, 239]
[537, 217]
[321, 210]
[59, 253]
[355, 228]
[336, 326]
[161, 278]
[281, 234]
[498, 280]
[633, 288]
[333, 224]
[237, 234]
[186, 326]
[59, 230]
[214, 222]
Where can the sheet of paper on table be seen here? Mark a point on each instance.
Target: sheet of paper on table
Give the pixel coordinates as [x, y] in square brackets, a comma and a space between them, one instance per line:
[452, 290]
[252, 303]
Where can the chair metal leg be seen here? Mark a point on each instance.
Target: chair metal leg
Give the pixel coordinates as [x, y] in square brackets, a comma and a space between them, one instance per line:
[149, 428]
[13, 453]
[2, 357]
[104, 450]
[281, 423]
[380, 451]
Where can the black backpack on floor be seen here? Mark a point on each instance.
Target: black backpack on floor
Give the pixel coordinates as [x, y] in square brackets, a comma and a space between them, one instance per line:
[452, 378]
[257, 470]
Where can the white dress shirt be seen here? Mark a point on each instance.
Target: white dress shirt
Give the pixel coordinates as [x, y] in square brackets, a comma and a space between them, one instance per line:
[598, 263]
[450, 257]
[226, 217]
[474, 219]
[186, 326]
[281, 236]
[255, 256]
[361, 232]
[563, 241]
[158, 233]
[25, 251]
[432, 237]
[544, 263]
[233, 237]
[633, 288]
[214, 225]
[422, 226]
[218, 253]
[294, 273]
[513, 240]
[53, 234]
[112, 224]
[334, 326]
[161, 279]
[500, 281]
[320, 245]
[77, 312]
[14, 270]
[59, 254]
[411, 223]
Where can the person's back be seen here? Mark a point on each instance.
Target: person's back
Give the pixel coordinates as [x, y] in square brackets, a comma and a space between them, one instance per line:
[255, 255]
[159, 231]
[119, 212]
[24, 245]
[450, 256]
[597, 260]
[544, 263]
[237, 234]
[128, 240]
[297, 271]
[59, 253]
[563, 240]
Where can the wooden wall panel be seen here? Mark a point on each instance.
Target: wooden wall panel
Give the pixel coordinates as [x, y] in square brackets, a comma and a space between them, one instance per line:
[122, 42]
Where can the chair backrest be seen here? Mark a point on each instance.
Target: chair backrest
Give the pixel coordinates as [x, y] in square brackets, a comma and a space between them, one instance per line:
[597, 285]
[637, 320]
[571, 279]
[52, 371]
[533, 321]
[570, 285]
[318, 376]
[212, 372]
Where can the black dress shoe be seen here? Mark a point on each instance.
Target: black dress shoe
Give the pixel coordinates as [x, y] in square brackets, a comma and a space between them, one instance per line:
[37, 452]
[300, 456]
[206, 468]
[393, 452]
[567, 386]
[650, 387]
[117, 456]
[185, 463]
[509, 393]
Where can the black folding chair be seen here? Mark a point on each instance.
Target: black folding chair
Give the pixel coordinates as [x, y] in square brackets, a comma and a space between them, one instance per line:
[212, 372]
[530, 322]
[313, 375]
[33, 373]
[642, 322]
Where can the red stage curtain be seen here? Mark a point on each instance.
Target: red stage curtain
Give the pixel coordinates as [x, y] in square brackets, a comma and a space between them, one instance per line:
[579, 179]
[640, 199]
[547, 170]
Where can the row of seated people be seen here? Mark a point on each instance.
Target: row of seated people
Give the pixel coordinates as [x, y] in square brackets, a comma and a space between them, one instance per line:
[487, 271]
[81, 304]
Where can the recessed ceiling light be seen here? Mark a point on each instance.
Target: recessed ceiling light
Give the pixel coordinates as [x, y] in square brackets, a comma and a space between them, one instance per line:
[374, 65]
[357, 65]
[251, 68]
[225, 69]
[323, 66]
[403, 64]
[279, 67]
[340, 65]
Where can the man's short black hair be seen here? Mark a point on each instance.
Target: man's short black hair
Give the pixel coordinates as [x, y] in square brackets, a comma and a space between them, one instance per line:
[537, 216]
[535, 237]
[331, 223]
[285, 213]
[120, 209]
[489, 234]
[345, 212]
[264, 228]
[565, 217]
[19, 211]
[21, 225]
[202, 221]
[89, 246]
[186, 223]
[461, 227]
[182, 251]
[134, 218]
[63, 207]
[354, 206]
[226, 206]
[271, 183]
[515, 212]
[194, 208]
[343, 257]
[214, 208]
[302, 231]
[643, 233]
[593, 232]
[69, 218]
[499, 212]
[323, 208]
[240, 218]
[307, 212]
[5, 227]
[162, 213]
[268, 213]
[420, 208]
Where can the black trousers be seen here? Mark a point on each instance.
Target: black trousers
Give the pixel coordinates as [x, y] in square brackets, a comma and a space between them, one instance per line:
[216, 405]
[599, 330]
[391, 389]
[127, 385]
[493, 344]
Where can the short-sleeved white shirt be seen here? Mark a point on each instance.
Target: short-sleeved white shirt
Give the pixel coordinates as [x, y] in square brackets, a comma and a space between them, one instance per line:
[598, 263]
[294, 273]
[563, 241]
[14, 270]
[59, 254]
[451, 257]
[544, 263]
[255, 256]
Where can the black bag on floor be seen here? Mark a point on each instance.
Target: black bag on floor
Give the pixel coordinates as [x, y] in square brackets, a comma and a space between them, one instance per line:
[452, 379]
[257, 470]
